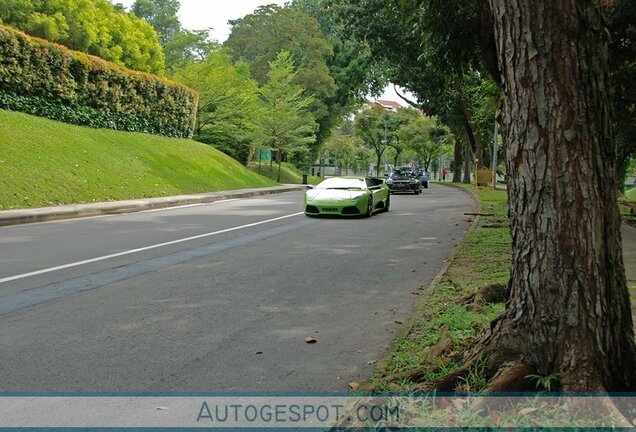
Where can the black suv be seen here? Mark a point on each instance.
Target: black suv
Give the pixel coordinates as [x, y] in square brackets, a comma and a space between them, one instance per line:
[404, 180]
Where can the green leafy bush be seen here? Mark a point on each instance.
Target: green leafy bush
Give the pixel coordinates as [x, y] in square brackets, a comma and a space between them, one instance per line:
[45, 79]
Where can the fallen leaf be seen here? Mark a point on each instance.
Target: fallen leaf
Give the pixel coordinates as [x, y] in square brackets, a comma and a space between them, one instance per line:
[495, 416]
[354, 385]
[527, 411]
[371, 362]
[161, 409]
[416, 293]
[398, 322]
[259, 352]
[311, 340]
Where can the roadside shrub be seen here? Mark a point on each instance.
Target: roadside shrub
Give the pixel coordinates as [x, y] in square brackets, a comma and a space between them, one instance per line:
[48, 80]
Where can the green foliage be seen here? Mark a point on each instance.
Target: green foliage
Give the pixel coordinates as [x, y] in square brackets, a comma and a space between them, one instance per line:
[48, 80]
[92, 26]
[188, 47]
[258, 38]
[352, 65]
[228, 103]
[44, 162]
[285, 121]
[162, 16]
[181, 47]
[416, 135]
[546, 382]
[372, 126]
[345, 147]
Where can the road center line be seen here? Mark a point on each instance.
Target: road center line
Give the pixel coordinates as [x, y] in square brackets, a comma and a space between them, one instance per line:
[143, 249]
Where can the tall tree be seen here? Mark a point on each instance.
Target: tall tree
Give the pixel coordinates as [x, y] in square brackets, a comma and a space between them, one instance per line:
[344, 145]
[257, 38]
[353, 66]
[285, 121]
[416, 135]
[181, 46]
[162, 15]
[372, 125]
[568, 308]
[228, 103]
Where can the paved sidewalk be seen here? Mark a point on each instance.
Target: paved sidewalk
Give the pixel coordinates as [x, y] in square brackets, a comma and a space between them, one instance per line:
[22, 216]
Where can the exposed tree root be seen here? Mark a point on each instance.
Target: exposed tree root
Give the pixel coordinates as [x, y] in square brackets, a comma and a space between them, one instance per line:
[512, 377]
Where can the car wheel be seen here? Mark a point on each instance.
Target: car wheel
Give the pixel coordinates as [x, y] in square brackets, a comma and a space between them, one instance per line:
[370, 206]
[387, 203]
[417, 191]
[426, 185]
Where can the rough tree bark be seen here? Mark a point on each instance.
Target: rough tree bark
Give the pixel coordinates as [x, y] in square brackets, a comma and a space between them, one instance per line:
[568, 307]
[468, 161]
[457, 160]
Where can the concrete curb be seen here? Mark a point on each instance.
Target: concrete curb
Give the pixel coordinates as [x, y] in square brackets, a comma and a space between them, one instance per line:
[25, 216]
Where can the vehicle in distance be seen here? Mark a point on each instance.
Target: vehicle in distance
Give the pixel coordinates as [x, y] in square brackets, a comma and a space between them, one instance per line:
[348, 196]
[404, 180]
[424, 178]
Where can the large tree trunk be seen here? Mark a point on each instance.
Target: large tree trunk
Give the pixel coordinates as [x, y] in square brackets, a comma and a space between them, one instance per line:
[568, 307]
[473, 136]
[457, 161]
[468, 164]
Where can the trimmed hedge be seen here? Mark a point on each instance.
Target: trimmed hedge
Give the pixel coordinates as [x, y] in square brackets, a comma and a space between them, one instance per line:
[49, 80]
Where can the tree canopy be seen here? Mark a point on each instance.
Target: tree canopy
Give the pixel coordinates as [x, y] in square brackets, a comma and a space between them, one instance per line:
[228, 103]
[258, 38]
[92, 26]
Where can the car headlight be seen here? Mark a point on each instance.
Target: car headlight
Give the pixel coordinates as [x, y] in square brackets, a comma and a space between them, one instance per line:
[356, 197]
[389, 182]
[413, 181]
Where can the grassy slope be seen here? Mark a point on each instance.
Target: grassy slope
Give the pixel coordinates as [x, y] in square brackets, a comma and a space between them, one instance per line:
[43, 162]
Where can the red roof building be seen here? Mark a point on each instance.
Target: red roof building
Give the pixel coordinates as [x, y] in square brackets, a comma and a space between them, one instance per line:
[388, 105]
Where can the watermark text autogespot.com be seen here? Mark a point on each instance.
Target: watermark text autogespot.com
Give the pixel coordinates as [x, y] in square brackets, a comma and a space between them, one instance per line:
[295, 413]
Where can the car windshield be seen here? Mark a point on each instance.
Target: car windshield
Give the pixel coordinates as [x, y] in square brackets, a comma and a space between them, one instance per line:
[401, 173]
[342, 183]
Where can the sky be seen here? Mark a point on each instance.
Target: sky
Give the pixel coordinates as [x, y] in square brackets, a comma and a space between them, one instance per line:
[215, 14]
[202, 14]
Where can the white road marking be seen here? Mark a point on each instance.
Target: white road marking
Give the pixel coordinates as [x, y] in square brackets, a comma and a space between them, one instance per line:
[143, 249]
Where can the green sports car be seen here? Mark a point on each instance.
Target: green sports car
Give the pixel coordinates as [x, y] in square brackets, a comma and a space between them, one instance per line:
[348, 196]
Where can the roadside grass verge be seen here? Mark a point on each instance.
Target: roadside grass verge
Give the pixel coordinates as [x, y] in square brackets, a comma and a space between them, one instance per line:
[289, 174]
[44, 163]
[447, 319]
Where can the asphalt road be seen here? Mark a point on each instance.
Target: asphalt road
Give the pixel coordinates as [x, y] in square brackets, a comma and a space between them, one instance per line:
[216, 297]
